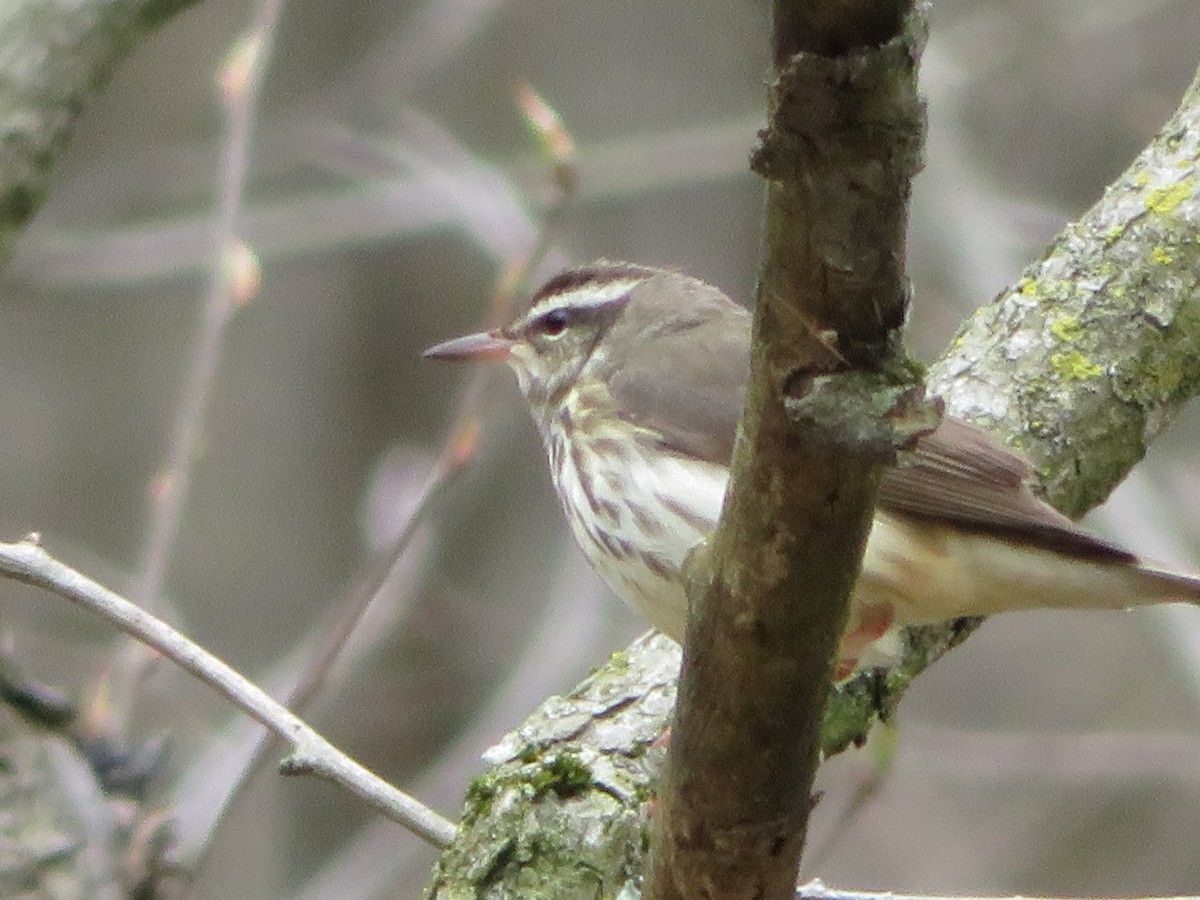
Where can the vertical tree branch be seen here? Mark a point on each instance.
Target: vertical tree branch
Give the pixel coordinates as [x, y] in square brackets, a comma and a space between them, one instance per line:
[769, 596]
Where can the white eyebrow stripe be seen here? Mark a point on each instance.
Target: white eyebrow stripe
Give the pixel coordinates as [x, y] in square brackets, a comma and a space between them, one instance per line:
[588, 296]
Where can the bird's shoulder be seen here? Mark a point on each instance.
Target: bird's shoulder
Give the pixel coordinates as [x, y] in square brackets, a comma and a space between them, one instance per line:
[684, 376]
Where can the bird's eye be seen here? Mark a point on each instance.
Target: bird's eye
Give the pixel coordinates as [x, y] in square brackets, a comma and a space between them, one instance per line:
[553, 323]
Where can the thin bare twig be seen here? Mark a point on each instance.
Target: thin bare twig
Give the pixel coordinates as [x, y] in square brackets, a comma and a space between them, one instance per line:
[463, 432]
[457, 449]
[232, 279]
[456, 453]
[559, 149]
[200, 803]
[27, 562]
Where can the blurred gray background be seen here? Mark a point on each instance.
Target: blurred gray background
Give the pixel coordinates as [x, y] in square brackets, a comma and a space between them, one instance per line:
[390, 181]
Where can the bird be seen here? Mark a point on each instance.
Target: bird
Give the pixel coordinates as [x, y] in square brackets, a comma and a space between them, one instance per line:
[635, 377]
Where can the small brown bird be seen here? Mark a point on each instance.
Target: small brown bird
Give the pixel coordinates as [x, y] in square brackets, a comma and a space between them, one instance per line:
[635, 377]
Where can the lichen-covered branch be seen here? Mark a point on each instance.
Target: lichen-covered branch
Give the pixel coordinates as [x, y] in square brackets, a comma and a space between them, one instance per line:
[562, 812]
[54, 54]
[1092, 352]
[1086, 358]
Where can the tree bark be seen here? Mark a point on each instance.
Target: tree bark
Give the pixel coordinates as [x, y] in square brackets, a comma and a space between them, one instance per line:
[829, 398]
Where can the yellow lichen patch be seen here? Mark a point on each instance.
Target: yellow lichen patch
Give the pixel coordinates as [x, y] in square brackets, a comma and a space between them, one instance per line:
[1164, 200]
[1169, 375]
[1066, 328]
[1162, 256]
[1028, 287]
[1072, 365]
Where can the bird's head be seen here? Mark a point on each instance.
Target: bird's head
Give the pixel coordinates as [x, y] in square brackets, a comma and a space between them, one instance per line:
[564, 335]
[653, 345]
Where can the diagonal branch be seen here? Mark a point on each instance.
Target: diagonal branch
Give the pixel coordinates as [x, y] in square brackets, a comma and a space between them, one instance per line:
[27, 562]
[1081, 363]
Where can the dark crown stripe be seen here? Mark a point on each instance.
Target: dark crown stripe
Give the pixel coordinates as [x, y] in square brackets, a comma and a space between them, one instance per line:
[597, 273]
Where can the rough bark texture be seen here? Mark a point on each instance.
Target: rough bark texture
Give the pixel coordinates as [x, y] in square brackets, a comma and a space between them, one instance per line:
[562, 812]
[1118, 292]
[842, 145]
[54, 54]
[834, 27]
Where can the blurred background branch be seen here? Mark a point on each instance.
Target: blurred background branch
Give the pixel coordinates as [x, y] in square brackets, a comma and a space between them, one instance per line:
[233, 280]
[54, 56]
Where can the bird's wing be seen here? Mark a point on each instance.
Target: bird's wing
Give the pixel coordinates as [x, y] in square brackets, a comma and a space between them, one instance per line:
[689, 386]
[961, 476]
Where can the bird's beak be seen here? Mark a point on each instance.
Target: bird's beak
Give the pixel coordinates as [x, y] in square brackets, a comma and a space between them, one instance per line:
[487, 345]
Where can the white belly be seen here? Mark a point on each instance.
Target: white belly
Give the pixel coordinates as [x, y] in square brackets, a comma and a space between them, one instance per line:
[637, 514]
